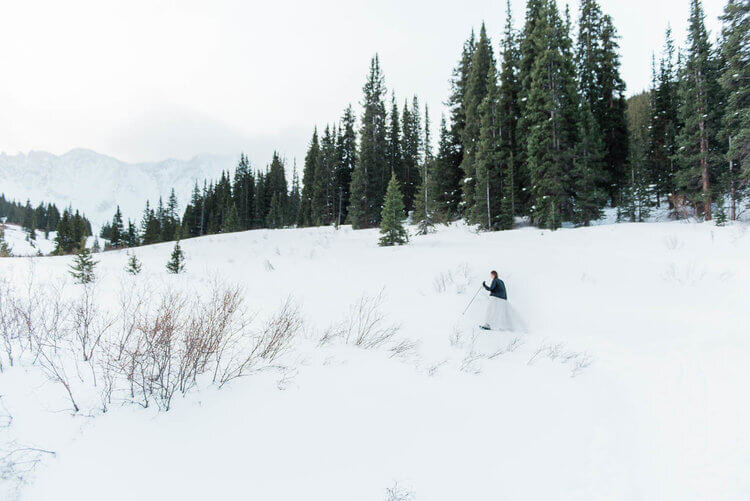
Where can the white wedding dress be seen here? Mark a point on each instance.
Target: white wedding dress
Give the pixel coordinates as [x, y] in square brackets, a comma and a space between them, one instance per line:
[500, 316]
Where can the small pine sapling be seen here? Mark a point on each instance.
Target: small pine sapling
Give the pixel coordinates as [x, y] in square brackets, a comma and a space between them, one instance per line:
[176, 262]
[82, 269]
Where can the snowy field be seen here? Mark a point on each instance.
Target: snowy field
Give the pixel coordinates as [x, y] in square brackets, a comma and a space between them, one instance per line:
[630, 382]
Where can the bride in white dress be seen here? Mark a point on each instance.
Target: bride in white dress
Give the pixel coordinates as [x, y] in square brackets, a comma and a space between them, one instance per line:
[499, 315]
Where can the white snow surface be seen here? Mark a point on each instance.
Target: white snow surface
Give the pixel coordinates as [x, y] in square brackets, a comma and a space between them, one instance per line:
[94, 183]
[631, 382]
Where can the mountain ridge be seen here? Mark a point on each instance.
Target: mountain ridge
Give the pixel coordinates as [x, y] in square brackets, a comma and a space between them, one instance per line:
[96, 183]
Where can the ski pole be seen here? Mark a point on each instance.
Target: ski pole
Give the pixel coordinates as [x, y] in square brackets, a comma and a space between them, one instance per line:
[472, 300]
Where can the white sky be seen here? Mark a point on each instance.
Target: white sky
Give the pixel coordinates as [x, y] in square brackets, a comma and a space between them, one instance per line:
[152, 79]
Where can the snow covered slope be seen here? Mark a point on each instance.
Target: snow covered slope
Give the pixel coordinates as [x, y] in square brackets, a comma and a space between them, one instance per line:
[20, 246]
[630, 383]
[95, 183]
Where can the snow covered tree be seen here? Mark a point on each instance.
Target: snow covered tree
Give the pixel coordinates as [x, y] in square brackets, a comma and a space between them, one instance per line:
[445, 180]
[231, 222]
[451, 151]
[393, 152]
[117, 230]
[176, 262]
[488, 186]
[134, 265]
[512, 182]
[313, 160]
[734, 81]
[424, 204]
[346, 143]
[476, 90]
[664, 123]
[699, 92]
[82, 269]
[412, 152]
[369, 177]
[5, 250]
[392, 215]
[551, 118]
[588, 169]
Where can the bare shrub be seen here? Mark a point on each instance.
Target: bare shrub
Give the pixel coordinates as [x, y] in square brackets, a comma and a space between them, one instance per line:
[458, 279]
[456, 337]
[398, 493]
[365, 325]
[90, 323]
[672, 242]
[442, 281]
[9, 324]
[574, 360]
[686, 274]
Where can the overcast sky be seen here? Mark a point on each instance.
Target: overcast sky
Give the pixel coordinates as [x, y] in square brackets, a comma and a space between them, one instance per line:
[152, 79]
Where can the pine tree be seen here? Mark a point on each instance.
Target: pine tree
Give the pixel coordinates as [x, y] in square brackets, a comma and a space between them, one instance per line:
[734, 78]
[393, 152]
[446, 178]
[117, 232]
[412, 152]
[5, 250]
[636, 197]
[131, 239]
[488, 187]
[588, 169]
[720, 218]
[424, 204]
[313, 160]
[294, 195]
[512, 183]
[322, 198]
[369, 177]
[391, 225]
[550, 119]
[698, 93]
[476, 90]
[347, 146]
[176, 262]
[231, 222]
[610, 111]
[664, 124]
[528, 49]
[82, 269]
[451, 154]
[134, 265]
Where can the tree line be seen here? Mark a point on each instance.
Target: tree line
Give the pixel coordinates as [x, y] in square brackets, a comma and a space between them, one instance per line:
[544, 132]
[72, 227]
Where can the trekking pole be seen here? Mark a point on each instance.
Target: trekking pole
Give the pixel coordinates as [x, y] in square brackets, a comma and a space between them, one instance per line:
[472, 300]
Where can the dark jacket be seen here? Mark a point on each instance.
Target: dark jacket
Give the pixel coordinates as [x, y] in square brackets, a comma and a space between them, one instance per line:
[497, 288]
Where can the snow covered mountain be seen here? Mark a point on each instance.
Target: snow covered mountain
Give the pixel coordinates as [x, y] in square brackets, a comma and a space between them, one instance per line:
[96, 183]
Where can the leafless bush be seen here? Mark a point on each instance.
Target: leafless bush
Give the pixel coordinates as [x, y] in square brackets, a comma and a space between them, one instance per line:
[90, 323]
[458, 279]
[403, 347]
[672, 242]
[268, 266]
[686, 274]
[398, 493]
[273, 341]
[575, 361]
[442, 281]
[365, 325]
[456, 337]
[9, 324]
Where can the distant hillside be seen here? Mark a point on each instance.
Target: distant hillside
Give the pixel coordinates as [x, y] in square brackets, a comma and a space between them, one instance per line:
[96, 183]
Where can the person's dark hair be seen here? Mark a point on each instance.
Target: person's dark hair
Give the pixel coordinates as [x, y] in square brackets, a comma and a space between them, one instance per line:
[493, 273]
